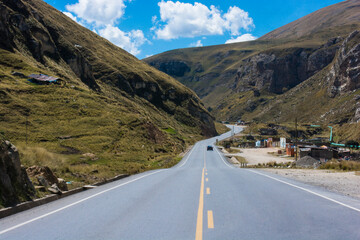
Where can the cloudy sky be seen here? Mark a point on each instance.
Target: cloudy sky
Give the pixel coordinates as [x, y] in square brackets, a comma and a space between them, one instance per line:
[148, 27]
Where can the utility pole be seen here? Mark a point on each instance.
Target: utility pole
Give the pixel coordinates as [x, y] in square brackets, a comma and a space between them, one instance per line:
[296, 139]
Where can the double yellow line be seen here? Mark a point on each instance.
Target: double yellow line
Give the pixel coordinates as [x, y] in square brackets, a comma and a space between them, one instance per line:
[199, 223]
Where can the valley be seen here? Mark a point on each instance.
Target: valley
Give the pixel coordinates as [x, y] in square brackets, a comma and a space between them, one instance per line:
[288, 73]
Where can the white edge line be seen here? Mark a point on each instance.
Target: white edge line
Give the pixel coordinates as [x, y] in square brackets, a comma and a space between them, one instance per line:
[187, 158]
[306, 190]
[75, 203]
[222, 158]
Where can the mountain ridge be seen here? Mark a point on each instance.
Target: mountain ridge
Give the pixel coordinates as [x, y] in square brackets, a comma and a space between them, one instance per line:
[243, 80]
[340, 14]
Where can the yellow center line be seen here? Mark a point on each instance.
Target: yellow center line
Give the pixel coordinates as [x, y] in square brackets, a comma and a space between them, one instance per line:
[210, 219]
[207, 179]
[206, 174]
[207, 191]
[199, 223]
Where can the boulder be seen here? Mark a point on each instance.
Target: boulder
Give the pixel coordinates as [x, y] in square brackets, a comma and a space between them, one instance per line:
[43, 173]
[14, 181]
[62, 184]
[42, 181]
[344, 76]
[54, 189]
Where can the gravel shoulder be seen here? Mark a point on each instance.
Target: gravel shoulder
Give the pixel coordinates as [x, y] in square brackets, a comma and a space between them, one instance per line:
[346, 183]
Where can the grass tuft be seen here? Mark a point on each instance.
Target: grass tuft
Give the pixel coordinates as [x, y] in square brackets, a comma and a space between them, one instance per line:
[341, 165]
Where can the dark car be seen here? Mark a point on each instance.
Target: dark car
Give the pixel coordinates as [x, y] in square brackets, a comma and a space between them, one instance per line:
[210, 148]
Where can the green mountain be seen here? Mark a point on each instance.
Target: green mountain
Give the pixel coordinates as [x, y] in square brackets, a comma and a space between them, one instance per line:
[308, 69]
[110, 112]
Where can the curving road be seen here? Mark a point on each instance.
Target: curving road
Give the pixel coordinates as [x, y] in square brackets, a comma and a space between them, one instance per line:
[202, 197]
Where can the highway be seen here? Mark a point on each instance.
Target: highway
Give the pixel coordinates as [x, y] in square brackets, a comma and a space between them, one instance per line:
[202, 197]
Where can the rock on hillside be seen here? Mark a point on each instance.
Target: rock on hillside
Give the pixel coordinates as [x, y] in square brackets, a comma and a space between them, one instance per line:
[279, 71]
[344, 75]
[15, 184]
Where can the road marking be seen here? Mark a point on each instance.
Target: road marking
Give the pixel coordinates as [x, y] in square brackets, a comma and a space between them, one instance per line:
[307, 190]
[222, 158]
[205, 160]
[75, 203]
[207, 179]
[207, 191]
[199, 222]
[206, 174]
[187, 158]
[210, 219]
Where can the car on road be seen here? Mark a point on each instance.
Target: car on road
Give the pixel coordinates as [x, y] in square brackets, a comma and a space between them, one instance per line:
[210, 148]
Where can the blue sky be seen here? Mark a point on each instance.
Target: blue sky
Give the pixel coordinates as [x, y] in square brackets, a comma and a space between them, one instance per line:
[148, 27]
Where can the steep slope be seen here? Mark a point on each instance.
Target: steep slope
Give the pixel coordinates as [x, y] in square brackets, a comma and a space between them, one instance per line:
[125, 114]
[337, 15]
[242, 80]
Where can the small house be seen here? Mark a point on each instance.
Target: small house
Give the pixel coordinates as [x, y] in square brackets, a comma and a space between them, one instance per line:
[42, 79]
[283, 142]
[273, 142]
[290, 149]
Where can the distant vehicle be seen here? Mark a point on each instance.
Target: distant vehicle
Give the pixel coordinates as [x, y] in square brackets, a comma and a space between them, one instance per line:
[210, 148]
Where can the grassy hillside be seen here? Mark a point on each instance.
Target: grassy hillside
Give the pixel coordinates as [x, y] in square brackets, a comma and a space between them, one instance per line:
[110, 114]
[336, 15]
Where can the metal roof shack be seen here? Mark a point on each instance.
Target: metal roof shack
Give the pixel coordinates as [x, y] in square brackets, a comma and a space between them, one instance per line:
[42, 79]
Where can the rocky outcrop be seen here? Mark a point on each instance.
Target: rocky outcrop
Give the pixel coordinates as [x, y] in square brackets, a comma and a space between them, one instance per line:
[356, 118]
[280, 71]
[47, 178]
[344, 75]
[174, 68]
[15, 184]
[23, 28]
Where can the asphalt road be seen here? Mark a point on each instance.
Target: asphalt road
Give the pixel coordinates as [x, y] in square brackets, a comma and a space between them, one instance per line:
[203, 197]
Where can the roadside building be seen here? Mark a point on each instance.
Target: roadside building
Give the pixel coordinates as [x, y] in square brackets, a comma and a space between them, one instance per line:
[283, 142]
[322, 153]
[42, 79]
[273, 142]
[290, 149]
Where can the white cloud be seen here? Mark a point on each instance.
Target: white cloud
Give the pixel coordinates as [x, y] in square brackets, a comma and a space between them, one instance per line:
[130, 41]
[75, 19]
[102, 15]
[100, 12]
[197, 44]
[237, 19]
[69, 14]
[243, 38]
[191, 20]
[154, 19]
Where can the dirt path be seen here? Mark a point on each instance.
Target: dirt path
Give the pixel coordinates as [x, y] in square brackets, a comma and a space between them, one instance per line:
[260, 155]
